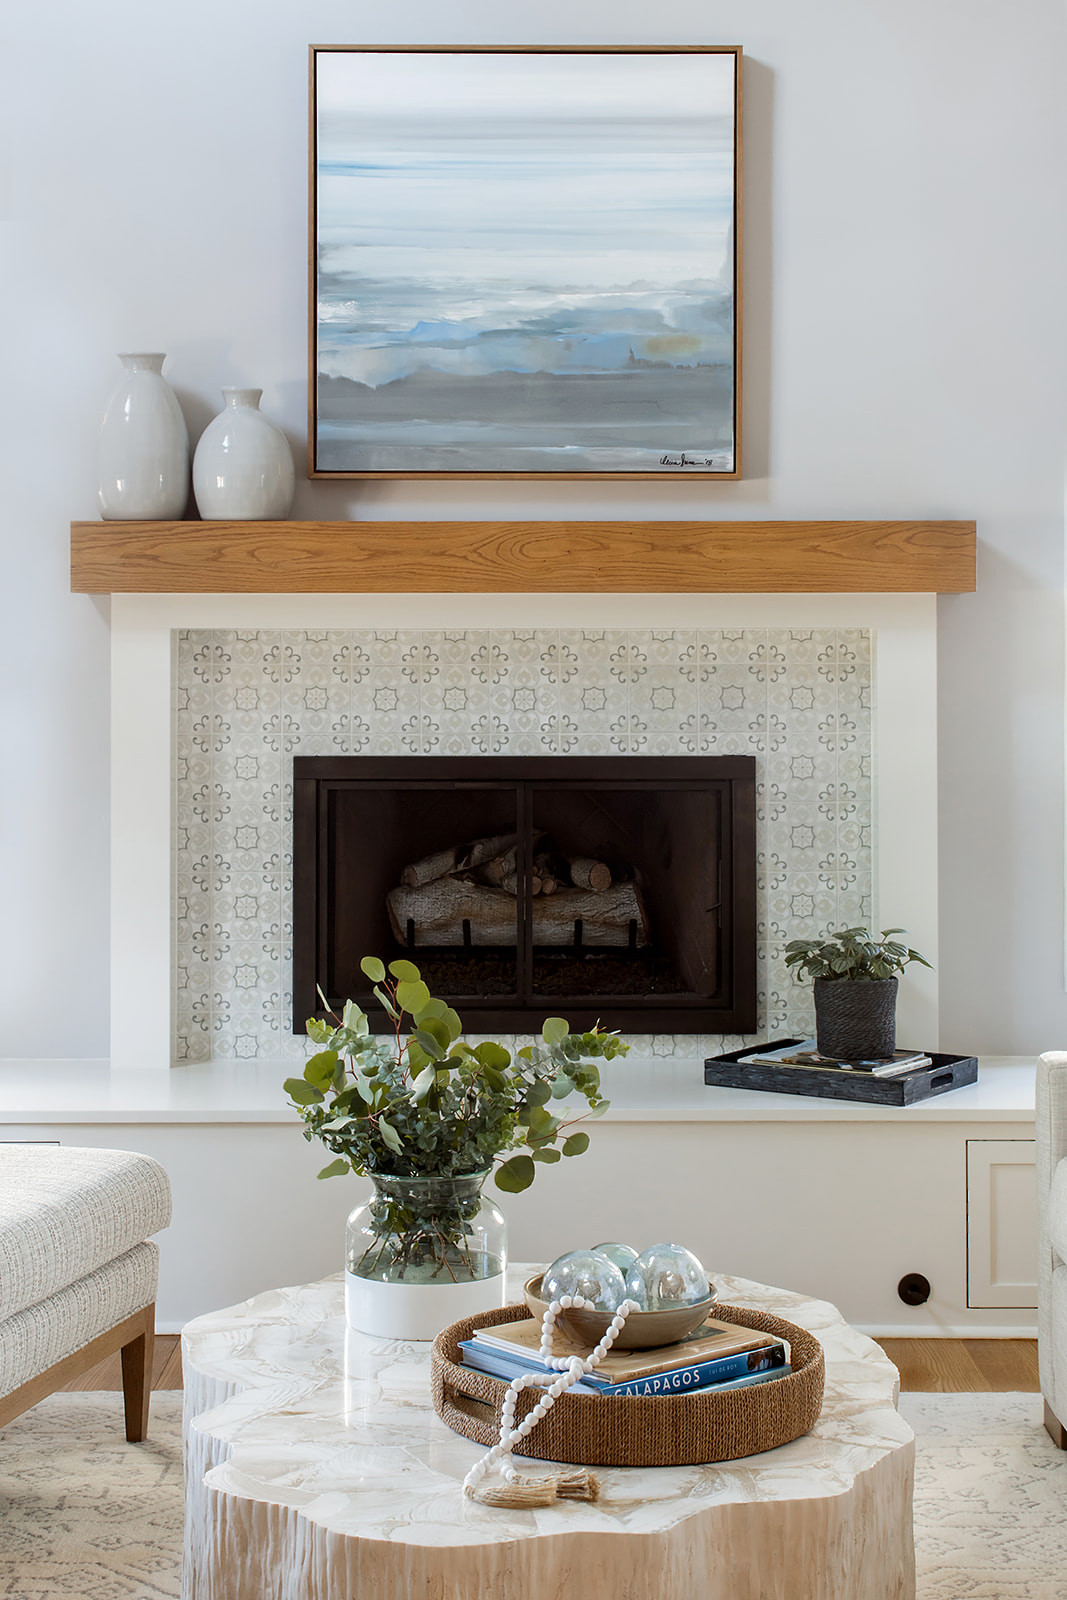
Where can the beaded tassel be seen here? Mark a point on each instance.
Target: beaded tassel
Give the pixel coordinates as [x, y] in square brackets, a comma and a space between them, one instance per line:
[578, 1484]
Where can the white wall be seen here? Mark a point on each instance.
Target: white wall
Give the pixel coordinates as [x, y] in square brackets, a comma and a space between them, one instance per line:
[904, 357]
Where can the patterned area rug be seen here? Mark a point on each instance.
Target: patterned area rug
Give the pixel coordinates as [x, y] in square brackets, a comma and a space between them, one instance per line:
[85, 1516]
[990, 1498]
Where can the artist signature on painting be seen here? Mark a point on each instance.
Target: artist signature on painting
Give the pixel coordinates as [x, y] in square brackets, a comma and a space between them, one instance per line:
[687, 461]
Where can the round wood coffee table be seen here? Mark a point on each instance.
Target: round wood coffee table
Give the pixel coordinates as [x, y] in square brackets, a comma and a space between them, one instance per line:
[317, 1469]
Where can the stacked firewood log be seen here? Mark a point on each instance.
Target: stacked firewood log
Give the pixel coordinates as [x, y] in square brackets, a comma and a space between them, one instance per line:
[468, 895]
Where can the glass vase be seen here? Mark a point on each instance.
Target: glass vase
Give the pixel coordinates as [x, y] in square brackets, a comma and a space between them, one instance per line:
[421, 1253]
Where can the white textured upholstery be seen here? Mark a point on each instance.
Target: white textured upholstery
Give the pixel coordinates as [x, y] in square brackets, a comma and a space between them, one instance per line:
[1051, 1125]
[1057, 1211]
[36, 1338]
[64, 1212]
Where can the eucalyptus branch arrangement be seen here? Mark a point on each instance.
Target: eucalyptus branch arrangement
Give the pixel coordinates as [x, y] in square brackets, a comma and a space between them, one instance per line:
[852, 953]
[421, 1102]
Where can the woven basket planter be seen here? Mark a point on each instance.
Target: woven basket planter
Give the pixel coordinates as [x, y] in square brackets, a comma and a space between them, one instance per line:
[856, 1019]
[636, 1430]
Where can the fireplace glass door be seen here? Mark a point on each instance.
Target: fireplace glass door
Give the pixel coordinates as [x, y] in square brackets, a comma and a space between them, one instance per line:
[612, 889]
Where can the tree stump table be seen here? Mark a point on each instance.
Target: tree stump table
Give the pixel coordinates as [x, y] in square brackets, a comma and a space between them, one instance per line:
[317, 1469]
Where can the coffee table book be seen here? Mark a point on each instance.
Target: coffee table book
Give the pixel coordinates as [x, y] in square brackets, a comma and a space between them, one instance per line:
[717, 1353]
[944, 1072]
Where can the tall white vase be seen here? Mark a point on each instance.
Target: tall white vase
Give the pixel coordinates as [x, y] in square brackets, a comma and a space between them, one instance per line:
[243, 467]
[144, 446]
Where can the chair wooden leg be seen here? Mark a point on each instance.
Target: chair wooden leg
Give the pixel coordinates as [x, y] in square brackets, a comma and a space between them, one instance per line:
[1055, 1429]
[137, 1378]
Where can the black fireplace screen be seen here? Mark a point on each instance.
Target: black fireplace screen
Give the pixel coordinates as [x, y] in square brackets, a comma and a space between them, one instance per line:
[618, 889]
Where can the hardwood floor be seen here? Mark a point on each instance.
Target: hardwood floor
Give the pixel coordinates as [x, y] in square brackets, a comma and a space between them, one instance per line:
[926, 1365]
[951, 1365]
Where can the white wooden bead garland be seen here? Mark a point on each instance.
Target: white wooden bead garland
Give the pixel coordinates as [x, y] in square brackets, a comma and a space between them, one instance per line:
[579, 1484]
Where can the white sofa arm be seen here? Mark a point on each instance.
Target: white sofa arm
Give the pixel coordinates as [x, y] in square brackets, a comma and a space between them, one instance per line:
[1050, 1114]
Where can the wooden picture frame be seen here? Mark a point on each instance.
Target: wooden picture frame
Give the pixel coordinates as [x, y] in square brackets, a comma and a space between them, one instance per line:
[525, 262]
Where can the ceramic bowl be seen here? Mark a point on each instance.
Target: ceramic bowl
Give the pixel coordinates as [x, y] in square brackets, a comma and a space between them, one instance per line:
[644, 1330]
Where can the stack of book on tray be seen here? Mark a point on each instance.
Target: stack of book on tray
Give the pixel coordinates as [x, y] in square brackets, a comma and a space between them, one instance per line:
[805, 1054]
[719, 1355]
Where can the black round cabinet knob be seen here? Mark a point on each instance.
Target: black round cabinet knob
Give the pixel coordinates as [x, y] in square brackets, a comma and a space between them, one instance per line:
[914, 1289]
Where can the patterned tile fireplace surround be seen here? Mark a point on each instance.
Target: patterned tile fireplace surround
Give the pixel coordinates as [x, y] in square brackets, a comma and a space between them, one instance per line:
[247, 702]
[213, 696]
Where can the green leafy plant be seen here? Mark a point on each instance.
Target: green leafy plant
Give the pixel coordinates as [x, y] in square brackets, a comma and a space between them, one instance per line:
[421, 1102]
[852, 953]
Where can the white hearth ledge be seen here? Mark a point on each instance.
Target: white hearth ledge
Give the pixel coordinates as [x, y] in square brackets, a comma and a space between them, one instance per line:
[142, 627]
[61, 1093]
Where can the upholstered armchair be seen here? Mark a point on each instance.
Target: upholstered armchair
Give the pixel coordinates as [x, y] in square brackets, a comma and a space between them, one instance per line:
[78, 1270]
[1051, 1117]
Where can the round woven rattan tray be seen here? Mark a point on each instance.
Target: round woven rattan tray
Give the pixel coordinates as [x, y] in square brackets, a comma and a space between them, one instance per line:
[635, 1430]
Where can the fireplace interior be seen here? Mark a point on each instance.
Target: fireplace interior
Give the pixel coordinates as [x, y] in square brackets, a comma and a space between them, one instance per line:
[618, 889]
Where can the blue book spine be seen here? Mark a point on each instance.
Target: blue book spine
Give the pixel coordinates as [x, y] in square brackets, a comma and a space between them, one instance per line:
[698, 1376]
[744, 1365]
[498, 1364]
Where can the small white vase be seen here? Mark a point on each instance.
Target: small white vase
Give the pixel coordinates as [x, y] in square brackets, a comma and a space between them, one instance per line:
[144, 446]
[243, 467]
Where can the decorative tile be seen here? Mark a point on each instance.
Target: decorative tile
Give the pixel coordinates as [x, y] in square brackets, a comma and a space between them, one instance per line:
[245, 703]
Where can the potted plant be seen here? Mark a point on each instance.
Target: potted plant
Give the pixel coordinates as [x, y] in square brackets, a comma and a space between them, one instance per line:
[855, 984]
[426, 1116]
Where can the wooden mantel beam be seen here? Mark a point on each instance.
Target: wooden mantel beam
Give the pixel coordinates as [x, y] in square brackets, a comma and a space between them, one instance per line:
[675, 557]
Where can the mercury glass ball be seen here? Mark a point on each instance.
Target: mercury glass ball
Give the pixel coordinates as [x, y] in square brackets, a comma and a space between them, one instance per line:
[666, 1275]
[588, 1273]
[623, 1255]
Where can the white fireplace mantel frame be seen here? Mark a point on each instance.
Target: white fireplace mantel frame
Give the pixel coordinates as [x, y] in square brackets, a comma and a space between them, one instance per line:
[142, 655]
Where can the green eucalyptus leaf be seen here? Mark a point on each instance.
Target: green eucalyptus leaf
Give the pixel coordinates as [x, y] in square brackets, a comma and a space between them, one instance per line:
[319, 1069]
[491, 1054]
[576, 1145]
[336, 1169]
[515, 1175]
[417, 1056]
[390, 1136]
[412, 995]
[373, 969]
[547, 1154]
[553, 1029]
[539, 1093]
[426, 1080]
[451, 1021]
[351, 1100]
[436, 1028]
[387, 1003]
[431, 1045]
[404, 972]
[302, 1092]
[432, 1008]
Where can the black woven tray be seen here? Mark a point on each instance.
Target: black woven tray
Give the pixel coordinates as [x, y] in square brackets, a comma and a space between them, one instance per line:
[943, 1073]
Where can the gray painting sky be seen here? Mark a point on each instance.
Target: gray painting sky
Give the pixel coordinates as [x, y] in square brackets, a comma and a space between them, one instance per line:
[475, 208]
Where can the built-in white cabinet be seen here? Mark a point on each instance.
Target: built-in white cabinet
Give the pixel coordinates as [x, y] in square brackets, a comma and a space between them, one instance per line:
[837, 1200]
[1001, 1224]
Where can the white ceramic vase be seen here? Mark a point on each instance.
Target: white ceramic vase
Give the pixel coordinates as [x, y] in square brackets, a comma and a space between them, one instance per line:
[243, 467]
[144, 446]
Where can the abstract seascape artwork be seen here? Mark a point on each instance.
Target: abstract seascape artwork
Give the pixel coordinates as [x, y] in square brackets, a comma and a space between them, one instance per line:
[524, 262]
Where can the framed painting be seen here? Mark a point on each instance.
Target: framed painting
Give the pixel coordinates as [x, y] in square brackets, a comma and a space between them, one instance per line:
[525, 262]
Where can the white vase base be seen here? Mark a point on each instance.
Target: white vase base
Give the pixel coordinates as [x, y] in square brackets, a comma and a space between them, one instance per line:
[416, 1310]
